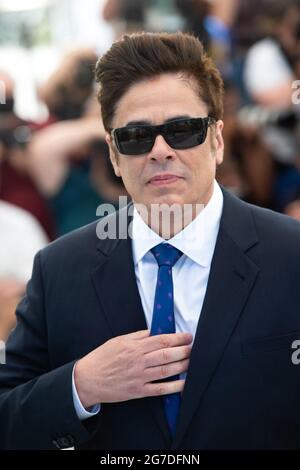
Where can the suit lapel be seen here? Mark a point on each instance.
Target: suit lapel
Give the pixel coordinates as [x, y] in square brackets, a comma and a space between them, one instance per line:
[117, 291]
[231, 279]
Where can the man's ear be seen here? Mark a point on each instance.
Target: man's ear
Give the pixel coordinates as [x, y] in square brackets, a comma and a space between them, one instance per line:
[218, 142]
[113, 154]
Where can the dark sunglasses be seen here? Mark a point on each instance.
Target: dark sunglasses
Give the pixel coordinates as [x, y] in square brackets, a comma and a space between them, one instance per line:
[179, 134]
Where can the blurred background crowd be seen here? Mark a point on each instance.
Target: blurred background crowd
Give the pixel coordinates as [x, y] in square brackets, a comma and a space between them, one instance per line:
[54, 164]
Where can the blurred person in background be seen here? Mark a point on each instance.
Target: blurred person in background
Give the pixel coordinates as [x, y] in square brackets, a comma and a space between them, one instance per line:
[218, 24]
[249, 26]
[150, 15]
[212, 23]
[272, 65]
[21, 237]
[287, 191]
[70, 164]
[17, 186]
[248, 167]
[68, 157]
[8, 118]
[68, 89]
[125, 15]
[194, 12]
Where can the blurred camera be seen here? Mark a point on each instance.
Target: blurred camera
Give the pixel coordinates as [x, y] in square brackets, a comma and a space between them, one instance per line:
[18, 137]
[279, 130]
[260, 116]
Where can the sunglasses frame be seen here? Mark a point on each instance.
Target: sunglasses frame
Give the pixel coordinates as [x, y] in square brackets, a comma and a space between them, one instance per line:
[162, 129]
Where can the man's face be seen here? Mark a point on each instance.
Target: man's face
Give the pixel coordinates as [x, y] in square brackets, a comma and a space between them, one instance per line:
[155, 101]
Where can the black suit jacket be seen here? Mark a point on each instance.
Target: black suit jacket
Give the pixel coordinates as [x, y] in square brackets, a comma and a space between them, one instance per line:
[242, 390]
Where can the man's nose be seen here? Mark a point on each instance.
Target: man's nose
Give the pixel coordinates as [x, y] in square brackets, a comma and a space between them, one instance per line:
[161, 150]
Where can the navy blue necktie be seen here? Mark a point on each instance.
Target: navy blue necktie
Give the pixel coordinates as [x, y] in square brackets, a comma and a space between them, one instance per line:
[163, 321]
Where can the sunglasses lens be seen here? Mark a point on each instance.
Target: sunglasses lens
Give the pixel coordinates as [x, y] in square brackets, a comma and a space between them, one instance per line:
[185, 134]
[180, 134]
[134, 140]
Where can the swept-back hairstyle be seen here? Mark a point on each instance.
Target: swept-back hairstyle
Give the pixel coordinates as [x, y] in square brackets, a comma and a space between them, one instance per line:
[143, 55]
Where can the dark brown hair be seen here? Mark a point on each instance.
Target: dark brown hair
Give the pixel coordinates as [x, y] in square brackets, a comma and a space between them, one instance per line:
[143, 55]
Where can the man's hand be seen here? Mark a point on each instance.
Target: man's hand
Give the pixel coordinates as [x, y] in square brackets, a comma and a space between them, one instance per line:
[123, 368]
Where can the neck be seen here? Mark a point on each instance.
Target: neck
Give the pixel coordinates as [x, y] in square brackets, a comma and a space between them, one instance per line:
[169, 219]
[166, 220]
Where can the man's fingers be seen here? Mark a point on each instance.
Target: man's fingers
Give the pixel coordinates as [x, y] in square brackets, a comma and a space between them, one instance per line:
[165, 341]
[139, 334]
[165, 356]
[164, 388]
[165, 371]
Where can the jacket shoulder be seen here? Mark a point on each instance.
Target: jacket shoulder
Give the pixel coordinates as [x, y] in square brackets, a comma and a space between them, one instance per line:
[73, 242]
[248, 224]
[278, 226]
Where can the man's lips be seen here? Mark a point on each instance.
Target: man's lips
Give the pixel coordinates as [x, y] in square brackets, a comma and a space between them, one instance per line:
[159, 180]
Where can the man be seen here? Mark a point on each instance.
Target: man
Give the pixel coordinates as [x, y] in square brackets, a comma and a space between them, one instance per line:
[138, 342]
[272, 64]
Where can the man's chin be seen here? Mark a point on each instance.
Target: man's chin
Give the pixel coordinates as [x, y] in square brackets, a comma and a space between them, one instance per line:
[167, 201]
[165, 195]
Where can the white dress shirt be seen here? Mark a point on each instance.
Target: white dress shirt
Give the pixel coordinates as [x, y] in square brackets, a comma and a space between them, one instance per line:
[190, 274]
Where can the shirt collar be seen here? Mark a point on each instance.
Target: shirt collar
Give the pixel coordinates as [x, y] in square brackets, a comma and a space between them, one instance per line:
[197, 240]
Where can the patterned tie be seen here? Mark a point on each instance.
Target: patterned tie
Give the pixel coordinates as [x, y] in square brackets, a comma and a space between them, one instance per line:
[163, 320]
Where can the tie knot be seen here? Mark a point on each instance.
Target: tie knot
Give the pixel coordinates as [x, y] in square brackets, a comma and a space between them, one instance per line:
[166, 254]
